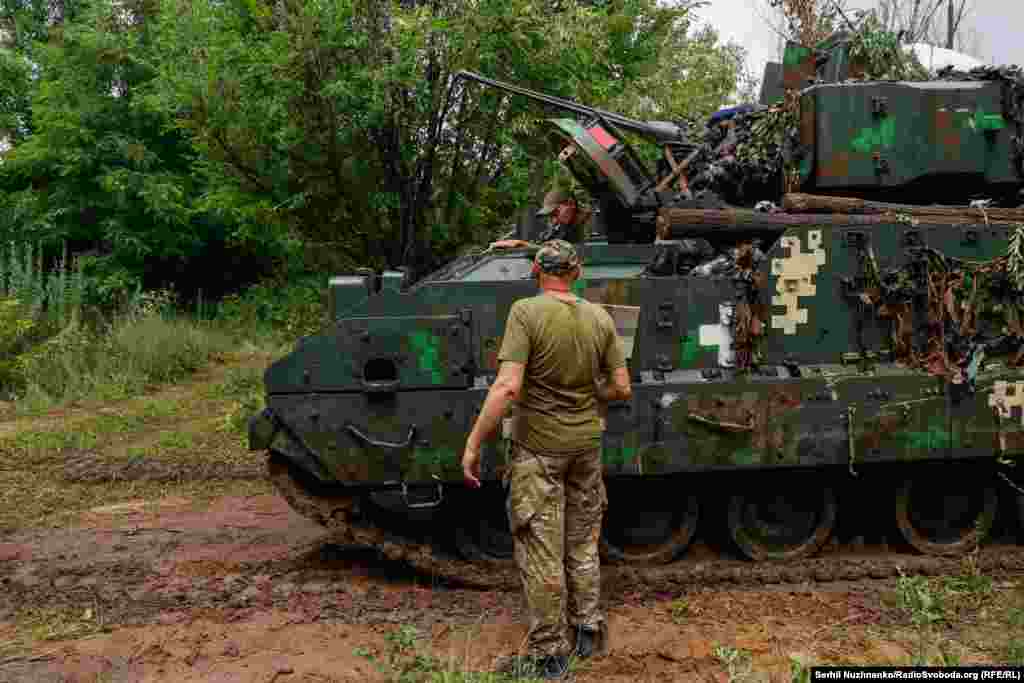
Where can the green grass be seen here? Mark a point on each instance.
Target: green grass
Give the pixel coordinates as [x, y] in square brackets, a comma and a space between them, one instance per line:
[54, 353]
[135, 355]
[941, 600]
[738, 663]
[1013, 654]
[679, 609]
[243, 387]
[1015, 617]
[55, 465]
[405, 660]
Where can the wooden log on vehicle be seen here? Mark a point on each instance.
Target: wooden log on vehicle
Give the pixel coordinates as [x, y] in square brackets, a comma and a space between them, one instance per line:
[673, 224]
[797, 202]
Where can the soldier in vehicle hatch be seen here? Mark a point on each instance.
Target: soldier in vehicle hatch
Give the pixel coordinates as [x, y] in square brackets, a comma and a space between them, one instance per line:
[561, 359]
[567, 220]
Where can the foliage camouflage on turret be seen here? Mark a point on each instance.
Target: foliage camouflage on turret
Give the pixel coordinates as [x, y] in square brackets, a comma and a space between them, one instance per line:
[755, 155]
[876, 54]
[974, 309]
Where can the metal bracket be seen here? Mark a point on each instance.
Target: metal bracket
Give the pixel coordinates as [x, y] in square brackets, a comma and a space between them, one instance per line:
[351, 429]
[428, 504]
[666, 315]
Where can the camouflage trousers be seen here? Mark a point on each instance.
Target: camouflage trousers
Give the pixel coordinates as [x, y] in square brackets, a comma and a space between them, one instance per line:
[555, 507]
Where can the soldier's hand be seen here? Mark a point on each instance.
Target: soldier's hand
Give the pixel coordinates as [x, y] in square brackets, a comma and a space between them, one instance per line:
[471, 467]
[509, 244]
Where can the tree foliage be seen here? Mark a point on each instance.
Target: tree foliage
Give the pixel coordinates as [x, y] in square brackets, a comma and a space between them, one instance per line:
[342, 117]
[200, 142]
[937, 22]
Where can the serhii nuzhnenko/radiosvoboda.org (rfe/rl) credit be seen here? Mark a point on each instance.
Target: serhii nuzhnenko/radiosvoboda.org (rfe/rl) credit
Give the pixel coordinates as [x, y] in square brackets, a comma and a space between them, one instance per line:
[919, 674]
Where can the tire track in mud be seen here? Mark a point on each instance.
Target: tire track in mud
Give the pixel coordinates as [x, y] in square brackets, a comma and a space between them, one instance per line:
[133, 563]
[249, 556]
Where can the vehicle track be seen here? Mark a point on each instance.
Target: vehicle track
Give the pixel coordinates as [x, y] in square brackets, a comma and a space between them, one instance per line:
[347, 523]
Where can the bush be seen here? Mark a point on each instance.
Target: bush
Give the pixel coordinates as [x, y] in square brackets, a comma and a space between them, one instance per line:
[59, 365]
[17, 329]
[16, 326]
[285, 309]
[137, 351]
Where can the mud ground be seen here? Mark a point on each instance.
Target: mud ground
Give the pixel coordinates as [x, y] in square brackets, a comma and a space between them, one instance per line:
[242, 589]
[228, 584]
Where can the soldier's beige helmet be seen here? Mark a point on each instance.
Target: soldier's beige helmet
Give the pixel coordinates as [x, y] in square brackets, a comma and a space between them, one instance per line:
[551, 201]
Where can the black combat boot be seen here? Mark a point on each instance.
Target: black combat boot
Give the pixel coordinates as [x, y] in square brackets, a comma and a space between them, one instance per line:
[585, 639]
[589, 640]
[552, 667]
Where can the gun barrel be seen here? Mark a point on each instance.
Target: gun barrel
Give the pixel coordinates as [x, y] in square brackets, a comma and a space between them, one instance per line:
[618, 120]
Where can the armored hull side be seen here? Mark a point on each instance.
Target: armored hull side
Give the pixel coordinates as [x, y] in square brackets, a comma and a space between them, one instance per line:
[776, 395]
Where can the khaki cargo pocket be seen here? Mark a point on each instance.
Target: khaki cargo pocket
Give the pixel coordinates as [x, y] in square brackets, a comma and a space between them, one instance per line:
[530, 488]
[595, 504]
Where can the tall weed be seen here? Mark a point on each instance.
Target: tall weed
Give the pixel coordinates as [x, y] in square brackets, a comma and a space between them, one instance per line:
[52, 297]
[135, 352]
[34, 305]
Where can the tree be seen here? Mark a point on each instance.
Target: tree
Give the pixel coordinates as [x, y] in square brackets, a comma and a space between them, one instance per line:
[808, 22]
[340, 120]
[102, 169]
[695, 75]
[25, 26]
[937, 22]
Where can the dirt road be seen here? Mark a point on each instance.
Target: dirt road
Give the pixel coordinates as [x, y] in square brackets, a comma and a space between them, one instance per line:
[189, 569]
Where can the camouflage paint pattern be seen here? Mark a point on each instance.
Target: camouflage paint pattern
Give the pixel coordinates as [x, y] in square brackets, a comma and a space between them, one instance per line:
[881, 134]
[595, 152]
[828, 392]
[1007, 402]
[798, 68]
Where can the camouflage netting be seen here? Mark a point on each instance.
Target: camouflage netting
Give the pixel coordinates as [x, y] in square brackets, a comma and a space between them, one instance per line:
[878, 55]
[741, 159]
[966, 310]
[753, 155]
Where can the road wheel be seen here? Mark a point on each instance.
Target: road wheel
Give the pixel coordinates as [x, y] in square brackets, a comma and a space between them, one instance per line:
[782, 523]
[947, 512]
[655, 528]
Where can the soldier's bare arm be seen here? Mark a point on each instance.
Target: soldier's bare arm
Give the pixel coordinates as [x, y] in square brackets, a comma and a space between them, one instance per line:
[505, 389]
[615, 384]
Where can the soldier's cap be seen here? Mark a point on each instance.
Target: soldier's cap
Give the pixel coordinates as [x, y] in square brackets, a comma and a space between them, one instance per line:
[552, 200]
[556, 257]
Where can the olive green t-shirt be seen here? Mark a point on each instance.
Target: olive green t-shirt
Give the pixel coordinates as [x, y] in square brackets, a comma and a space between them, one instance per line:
[563, 344]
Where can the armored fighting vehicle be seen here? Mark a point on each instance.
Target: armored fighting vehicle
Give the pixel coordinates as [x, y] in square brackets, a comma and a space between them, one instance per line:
[822, 357]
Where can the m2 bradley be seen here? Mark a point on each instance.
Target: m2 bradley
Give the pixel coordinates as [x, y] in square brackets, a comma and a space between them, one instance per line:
[825, 356]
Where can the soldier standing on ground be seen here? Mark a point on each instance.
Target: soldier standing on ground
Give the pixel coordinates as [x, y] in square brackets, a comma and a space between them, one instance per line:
[560, 359]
